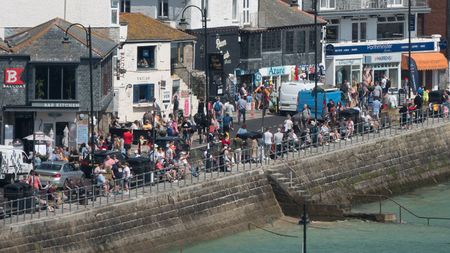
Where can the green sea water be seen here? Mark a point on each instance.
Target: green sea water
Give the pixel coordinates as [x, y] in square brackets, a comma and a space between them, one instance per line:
[412, 236]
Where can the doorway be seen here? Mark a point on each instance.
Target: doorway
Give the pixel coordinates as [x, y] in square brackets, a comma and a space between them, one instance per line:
[59, 132]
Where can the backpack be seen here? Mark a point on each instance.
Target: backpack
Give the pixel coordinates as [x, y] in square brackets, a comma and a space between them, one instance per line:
[217, 106]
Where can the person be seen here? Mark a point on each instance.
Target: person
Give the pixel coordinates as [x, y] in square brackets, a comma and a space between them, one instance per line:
[242, 105]
[229, 108]
[377, 91]
[306, 115]
[242, 130]
[100, 178]
[126, 176]
[243, 91]
[406, 86]
[176, 105]
[376, 107]
[278, 139]
[418, 101]
[187, 129]
[34, 181]
[227, 123]
[118, 175]
[135, 125]
[268, 136]
[350, 128]
[127, 140]
[147, 125]
[218, 108]
[258, 97]
[288, 124]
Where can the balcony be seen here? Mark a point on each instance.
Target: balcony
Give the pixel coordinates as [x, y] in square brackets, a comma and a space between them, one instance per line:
[370, 6]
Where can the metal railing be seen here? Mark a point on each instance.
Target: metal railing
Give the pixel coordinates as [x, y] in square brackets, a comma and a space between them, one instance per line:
[400, 208]
[241, 159]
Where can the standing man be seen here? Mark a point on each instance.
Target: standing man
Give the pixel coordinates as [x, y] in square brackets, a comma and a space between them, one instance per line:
[268, 136]
[278, 139]
[127, 141]
[176, 105]
[242, 105]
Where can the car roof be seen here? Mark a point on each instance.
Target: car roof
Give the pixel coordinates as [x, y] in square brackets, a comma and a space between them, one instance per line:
[55, 162]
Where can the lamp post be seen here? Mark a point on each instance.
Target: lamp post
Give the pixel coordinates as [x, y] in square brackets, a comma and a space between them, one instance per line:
[409, 48]
[183, 23]
[89, 44]
[315, 60]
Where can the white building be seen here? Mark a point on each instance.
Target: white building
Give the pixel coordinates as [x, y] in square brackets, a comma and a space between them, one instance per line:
[366, 39]
[145, 63]
[29, 13]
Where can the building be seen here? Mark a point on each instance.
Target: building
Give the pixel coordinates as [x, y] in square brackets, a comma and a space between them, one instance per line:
[367, 39]
[103, 15]
[282, 41]
[45, 81]
[149, 49]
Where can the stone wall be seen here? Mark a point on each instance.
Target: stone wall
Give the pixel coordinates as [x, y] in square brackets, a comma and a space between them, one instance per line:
[154, 223]
[390, 165]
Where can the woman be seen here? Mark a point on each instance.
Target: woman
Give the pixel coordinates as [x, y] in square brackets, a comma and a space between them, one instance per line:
[35, 181]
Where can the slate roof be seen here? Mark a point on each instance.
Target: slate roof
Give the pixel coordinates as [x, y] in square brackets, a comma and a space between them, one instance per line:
[277, 14]
[47, 38]
[143, 28]
[3, 46]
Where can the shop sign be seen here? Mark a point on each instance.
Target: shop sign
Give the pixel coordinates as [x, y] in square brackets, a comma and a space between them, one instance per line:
[348, 62]
[13, 76]
[55, 104]
[382, 58]
[166, 97]
[379, 48]
[277, 71]
[82, 133]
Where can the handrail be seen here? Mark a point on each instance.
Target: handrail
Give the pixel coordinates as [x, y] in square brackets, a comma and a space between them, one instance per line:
[269, 231]
[428, 218]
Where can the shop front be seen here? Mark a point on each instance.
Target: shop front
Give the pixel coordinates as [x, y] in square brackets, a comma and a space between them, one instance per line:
[377, 66]
[347, 70]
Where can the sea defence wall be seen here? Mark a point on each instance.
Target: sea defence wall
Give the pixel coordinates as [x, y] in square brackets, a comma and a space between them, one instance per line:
[388, 165]
[153, 223]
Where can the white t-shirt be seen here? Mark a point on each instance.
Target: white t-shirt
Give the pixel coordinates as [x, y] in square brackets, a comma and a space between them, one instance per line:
[278, 138]
[288, 124]
[126, 172]
[268, 138]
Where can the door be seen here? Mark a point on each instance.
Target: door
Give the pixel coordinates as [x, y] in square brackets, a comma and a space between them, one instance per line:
[378, 74]
[59, 132]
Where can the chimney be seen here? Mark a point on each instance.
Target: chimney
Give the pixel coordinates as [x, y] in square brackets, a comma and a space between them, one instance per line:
[294, 3]
[123, 31]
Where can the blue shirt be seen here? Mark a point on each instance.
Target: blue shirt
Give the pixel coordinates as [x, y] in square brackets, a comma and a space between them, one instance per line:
[376, 105]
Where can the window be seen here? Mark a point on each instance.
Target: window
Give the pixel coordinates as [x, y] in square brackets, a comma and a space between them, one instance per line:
[389, 31]
[355, 32]
[246, 11]
[271, 41]
[394, 2]
[251, 49]
[234, 10]
[125, 6]
[107, 76]
[301, 42]
[312, 41]
[363, 31]
[289, 42]
[114, 12]
[143, 93]
[163, 8]
[332, 33]
[146, 57]
[54, 82]
[327, 4]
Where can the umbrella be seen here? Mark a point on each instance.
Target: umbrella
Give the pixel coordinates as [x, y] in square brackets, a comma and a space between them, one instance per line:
[38, 136]
[65, 140]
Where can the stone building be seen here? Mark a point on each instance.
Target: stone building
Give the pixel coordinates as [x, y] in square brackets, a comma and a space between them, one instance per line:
[148, 52]
[45, 81]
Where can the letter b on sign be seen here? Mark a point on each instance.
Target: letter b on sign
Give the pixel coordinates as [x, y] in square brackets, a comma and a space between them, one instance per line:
[13, 76]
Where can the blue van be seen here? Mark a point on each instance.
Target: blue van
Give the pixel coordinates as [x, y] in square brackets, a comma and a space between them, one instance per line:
[323, 97]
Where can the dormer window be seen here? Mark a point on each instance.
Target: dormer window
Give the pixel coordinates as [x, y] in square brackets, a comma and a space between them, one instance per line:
[327, 4]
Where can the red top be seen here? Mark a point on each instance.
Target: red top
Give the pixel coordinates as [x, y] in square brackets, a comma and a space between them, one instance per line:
[127, 138]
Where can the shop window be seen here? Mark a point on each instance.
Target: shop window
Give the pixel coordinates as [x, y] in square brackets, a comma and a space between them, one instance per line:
[54, 82]
[251, 46]
[143, 93]
[394, 3]
[289, 42]
[301, 42]
[389, 31]
[163, 8]
[146, 57]
[271, 41]
[114, 12]
[359, 32]
[125, 6]
[332, 33]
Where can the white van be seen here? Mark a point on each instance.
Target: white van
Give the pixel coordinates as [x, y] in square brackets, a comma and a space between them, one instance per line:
[13, 164]
[289, 92]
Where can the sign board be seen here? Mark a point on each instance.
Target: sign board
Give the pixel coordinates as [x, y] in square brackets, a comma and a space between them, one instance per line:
[187, 107]
[277, 71]
[348, 62]
[166, 97]
[55, 104]
[380, 48]
[82, 134]
[382, 58]
[13, 76]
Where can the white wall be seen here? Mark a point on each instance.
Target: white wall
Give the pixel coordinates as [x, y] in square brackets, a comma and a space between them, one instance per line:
[127, 111]
[29, 13]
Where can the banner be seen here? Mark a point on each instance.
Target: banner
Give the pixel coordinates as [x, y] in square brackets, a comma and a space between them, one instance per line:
[413, 75]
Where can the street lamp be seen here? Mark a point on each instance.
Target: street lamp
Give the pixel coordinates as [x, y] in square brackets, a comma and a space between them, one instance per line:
[89, 44]
[183, 24]
[315, 60]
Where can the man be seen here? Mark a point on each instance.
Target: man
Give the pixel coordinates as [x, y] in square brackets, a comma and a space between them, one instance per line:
[268, 136]
[227, 123]
[229, 108]
[306, 114]
[418, 101]
[218, 108]
[176, 105]
[278, 139]
[242, 105]
[377, 91]
[127, 140]
[288, 124]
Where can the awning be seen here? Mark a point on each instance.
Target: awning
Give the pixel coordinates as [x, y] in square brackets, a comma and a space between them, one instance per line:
[426, 61]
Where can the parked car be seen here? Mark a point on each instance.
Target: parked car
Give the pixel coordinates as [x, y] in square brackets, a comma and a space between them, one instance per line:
[57, 172]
